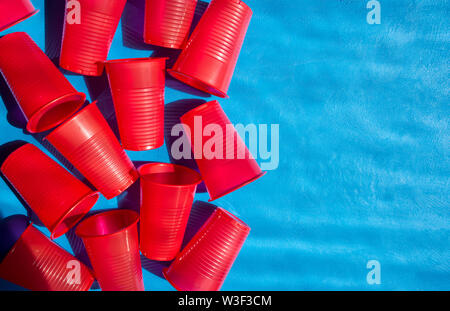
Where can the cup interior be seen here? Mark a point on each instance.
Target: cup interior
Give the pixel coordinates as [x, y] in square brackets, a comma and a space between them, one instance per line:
[169, 174]
[107, 223]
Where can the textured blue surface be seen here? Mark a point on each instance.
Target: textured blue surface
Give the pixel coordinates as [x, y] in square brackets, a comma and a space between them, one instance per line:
[364, 144]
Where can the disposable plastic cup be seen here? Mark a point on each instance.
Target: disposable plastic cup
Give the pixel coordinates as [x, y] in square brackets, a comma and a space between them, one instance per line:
[36, 263]
[58, 198]
[167, 22]
[137, 87]
[89, 29]
[211, 53]
[111, 241]
[13, 12]
[87, 141]
[206, 260]
[234, 167]
[43, 93]
[167, 193]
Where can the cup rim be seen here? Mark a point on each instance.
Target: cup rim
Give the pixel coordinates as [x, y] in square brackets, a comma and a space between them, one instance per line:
[135, 60]
[198, 178]
[79, 230]
[33, 120]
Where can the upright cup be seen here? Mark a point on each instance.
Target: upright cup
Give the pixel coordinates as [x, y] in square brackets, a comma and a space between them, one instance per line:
[137, 87]
[211, 53]
[13, 12]
[167, 193]
[89, 29]
[58, 198]
[36, 263]
[87, 141]
[167, 22]
[43, 93]
[111, 241]
[206, 260]
[233, 166]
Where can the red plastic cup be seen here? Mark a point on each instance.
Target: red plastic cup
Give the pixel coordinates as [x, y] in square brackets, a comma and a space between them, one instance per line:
[236, 167]
[137, 87]
[87, 141]
[111, 241]
[167, 22]
[85, 45]
[206, 260]
[58, 198]
[36, 263]
[43, 93]
[211, 53]
[13, 12]
[167, 193]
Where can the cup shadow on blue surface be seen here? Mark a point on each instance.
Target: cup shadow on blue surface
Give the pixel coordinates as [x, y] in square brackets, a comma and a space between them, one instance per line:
[5, 150]
[15, 116]
[172, 113]
[133, 37]
[54, 26]
[11, 228]
[99, 90]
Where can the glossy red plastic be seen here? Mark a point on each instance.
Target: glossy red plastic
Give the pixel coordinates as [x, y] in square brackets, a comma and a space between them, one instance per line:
[13, 12]
[57, 197]
[211, 53]
[111, 241]
[206, 260]
[167, 22]
[236, 167]
[167, 193]
[36, 263]
[87, 141]
[137, 87]
[89, 29]
[43, 93]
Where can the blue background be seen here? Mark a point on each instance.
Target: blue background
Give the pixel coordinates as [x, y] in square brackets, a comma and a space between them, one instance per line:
[364, 143]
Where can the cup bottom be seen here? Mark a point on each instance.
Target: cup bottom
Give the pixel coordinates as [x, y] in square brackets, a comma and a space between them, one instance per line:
[197, 83]
[217, 196]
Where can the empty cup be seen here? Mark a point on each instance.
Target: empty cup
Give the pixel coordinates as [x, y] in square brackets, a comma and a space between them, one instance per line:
[58, 198]
[167, 22]
[167, 193]
[43, 93]
[206, 260]
[111, 241]
[89, 29]
[137, 87]
[36, 263]
[233, 166]
[211, 53]
[87, 141]
[13, 12]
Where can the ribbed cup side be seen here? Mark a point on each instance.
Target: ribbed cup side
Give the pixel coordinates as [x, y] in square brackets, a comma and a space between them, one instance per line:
[212, 251]
[222, 30]
[36, 263]
[118, 270]
[140, 116]
[164, 215]
[171, 26]
[105, 164]
[85, 46]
